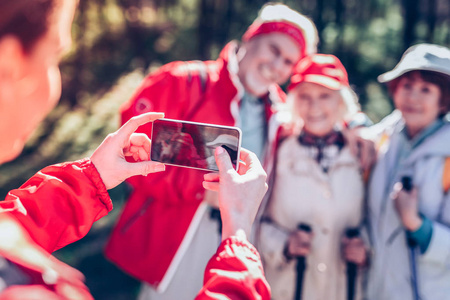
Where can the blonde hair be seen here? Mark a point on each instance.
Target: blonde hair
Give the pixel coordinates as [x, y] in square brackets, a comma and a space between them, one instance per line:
[351, 102]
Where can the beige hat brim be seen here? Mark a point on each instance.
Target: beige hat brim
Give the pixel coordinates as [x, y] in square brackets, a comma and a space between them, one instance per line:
[426, 57]
[397, 72]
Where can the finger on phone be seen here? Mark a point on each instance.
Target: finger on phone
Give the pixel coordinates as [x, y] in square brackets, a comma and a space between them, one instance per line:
[212, 186]
[244, 156]
[135, 156]
[132, 124]
[141, 140]
[143, 155]
[144, 168]
[211, 177]
[243, 168]
[133, 149]
[223, 160]
[248, 157]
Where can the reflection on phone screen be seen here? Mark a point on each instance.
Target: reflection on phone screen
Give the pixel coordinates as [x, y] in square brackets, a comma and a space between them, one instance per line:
[191, 144]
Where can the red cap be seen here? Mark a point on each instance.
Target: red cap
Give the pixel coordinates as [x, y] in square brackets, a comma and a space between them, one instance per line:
[277, 17]
[291, 30]
[323, 69]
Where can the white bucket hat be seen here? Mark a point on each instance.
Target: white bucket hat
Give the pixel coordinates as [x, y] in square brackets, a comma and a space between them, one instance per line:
[427, 57]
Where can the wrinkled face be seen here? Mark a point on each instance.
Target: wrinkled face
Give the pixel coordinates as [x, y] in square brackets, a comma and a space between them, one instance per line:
[267, 59]
[36, 87]
[419, 102]
[319, 107]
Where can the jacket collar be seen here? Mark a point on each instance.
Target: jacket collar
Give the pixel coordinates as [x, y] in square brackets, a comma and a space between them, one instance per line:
[434, 144]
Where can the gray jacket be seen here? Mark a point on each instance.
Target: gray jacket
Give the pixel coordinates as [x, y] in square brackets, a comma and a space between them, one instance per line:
[390, 274]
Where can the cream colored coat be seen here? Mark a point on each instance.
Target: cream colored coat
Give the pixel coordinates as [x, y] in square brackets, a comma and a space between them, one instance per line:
[329, 203]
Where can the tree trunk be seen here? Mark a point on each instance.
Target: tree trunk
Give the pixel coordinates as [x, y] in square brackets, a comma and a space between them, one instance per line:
[223, 19]
[340, 23]
[319, 19]
[411, 12]
[76, 83]
[431, 20]
[205, 28]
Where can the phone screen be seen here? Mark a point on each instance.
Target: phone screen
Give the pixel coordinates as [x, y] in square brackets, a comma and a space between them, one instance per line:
[192, 145]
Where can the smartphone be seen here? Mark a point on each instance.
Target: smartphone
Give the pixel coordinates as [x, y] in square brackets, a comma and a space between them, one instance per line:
[192, 145]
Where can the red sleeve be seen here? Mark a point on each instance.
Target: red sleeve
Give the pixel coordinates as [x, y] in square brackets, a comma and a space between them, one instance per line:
[37, 274]
[235, 272]
[39, 292]
[59, 204]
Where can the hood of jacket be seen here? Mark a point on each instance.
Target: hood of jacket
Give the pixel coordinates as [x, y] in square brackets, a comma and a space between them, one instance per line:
[438, 144]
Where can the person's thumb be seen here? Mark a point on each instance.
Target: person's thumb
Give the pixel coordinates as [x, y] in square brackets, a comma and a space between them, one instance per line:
[144, 168]
[223, 160]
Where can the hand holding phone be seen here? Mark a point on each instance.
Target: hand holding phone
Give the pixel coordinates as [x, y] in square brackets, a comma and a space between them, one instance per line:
[109, 157]
[192, 144]
[240, 193]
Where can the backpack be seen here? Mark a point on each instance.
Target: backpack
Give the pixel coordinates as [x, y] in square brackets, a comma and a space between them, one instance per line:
[446, 175]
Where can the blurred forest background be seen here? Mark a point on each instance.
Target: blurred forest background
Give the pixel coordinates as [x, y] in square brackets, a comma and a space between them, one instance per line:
[117, 42]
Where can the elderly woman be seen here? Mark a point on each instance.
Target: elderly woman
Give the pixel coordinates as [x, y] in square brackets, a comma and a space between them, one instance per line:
[318, 187]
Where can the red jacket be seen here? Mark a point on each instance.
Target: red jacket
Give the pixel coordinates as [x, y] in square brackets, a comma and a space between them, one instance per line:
[161, 208]
[235, 271]
[58, 205]
[55, 207]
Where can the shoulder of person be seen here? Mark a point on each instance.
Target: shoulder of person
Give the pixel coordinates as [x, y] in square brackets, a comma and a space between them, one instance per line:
[189, 69]
[388, 123]
[381, 132]
[177, 69]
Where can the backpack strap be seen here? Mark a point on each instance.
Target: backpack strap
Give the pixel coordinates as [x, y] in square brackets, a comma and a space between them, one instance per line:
[446, 175]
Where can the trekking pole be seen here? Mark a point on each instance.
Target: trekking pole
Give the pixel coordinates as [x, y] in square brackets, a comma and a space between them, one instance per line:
[407, 186]
[301, 265]
[352, 268]
[215, 215]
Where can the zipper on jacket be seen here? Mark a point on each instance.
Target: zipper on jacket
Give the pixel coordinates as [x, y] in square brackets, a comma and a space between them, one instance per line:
[137, 215]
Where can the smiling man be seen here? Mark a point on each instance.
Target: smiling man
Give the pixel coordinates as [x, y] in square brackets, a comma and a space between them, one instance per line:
[166, 234]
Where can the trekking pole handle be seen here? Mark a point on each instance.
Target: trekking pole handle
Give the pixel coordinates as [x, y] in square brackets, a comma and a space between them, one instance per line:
[352, 268]
[301, 265]
[407, 183]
